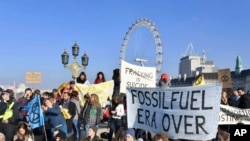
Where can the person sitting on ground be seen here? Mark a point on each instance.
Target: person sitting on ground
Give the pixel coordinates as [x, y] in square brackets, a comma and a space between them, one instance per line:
[160, 137]
[2, 137]
[130, 135]
[92, 134]
[23, 133]
[59, 135]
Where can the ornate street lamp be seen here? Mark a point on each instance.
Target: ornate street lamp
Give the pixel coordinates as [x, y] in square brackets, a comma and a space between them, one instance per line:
[85, 60]
[75, 67]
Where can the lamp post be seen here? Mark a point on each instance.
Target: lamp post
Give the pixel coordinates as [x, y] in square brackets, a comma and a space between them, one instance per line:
[75, 67]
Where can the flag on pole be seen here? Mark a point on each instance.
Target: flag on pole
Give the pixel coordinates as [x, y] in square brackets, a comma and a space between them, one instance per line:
[199, 80]
[35, 115]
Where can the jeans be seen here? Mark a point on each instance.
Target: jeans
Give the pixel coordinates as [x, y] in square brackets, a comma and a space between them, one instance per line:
[77, 130]
[115, 124]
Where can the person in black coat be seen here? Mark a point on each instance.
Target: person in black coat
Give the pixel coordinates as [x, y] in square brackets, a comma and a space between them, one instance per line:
[117, 81]
[8, 124]
[244, 99]
[67, 104]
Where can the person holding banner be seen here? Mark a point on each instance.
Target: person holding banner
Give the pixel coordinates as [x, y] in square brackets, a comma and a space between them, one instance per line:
[22, 102]
[35, 117]
[82, 79]
[72, 85]
[100, 78]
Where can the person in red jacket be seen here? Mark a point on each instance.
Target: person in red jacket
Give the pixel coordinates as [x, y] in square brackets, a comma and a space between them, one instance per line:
[99, 78]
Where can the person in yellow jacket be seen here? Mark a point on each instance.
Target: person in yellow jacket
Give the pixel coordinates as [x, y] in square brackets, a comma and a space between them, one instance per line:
[8, 115]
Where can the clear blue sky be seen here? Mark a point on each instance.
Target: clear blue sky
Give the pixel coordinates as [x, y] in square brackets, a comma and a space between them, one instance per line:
[34, 34]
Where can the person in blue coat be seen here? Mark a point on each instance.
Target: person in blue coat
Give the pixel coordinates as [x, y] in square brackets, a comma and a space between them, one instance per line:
[53, 116]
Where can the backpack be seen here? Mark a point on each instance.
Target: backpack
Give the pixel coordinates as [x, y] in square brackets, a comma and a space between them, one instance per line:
[106, 112]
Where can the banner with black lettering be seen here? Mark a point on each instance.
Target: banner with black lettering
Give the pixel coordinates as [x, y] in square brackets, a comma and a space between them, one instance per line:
[181, 113]
[233, 115]
[136, 76]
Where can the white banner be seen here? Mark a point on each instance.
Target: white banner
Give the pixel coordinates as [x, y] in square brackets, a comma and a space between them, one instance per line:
[181, 113]
[133, 76]
[233, 115]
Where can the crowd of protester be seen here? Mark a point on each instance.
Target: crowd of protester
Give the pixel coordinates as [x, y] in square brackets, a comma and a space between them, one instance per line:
[66, 119]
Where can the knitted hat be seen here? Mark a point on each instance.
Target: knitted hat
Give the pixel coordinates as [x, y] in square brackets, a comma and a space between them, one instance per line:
[5, 92]
[94, 128]
[131, 132]
[139, 139]
[10, 91]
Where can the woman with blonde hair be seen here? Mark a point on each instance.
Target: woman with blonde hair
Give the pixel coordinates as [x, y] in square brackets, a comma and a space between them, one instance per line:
[23, 133]
[92, 113]
[224, 98]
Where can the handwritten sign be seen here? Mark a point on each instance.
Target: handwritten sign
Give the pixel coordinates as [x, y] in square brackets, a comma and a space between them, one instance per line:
[33, 77]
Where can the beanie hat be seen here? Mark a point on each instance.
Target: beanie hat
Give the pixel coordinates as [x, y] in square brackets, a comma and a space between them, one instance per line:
[5, 92]
[94, 129]
[10, 91]
[139, 139]
[131, 132]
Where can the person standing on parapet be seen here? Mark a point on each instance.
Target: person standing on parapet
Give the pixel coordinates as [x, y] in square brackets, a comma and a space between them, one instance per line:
[163, 82]
[82, 79]
[117, 81]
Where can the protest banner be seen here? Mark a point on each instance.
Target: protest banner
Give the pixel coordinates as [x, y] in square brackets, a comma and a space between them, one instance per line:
[233, 115]
[136, 76]
[199, 80]
[35, 115]
[181, 113]
[103, 90]
[224, 76]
